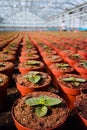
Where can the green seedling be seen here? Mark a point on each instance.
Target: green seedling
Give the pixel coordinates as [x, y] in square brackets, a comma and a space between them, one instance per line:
[42, 104]
[30, 62]
[61, 65]
[33, 77]
[75, 81]
[84, 63]
[75, 56]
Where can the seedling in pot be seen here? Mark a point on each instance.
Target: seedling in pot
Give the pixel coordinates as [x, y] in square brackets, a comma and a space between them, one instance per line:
[55, 57]
[3, 57]
[75, 56]
[75, 81]
[27, 41]
[2, 65]
[62, 66]
[33, 76]
[42, 104]
[30, 62]
[29, 46]
[12, 45]
[84, 63]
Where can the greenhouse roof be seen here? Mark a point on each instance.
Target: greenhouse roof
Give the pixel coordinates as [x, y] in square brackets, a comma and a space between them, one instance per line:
[13, 11]
[42, 8]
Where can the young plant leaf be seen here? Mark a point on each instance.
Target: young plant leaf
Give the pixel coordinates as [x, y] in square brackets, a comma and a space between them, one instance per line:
[1, 80]
[34, 78]
[69, 79]
[43, 100]
[41, 104]
[33, 101]
[73, 79]
[41, 111]
[33, 62]
[61, 65]
[52, 101]
[80, 80]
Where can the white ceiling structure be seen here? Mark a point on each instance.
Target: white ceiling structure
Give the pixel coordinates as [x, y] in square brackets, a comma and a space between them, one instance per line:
[34, 12]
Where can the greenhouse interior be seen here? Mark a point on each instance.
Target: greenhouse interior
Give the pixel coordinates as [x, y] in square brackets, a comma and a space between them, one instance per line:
[43, 64]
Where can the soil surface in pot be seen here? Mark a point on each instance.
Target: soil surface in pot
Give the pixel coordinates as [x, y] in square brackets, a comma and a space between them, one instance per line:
[81, 85]
[45, 80]
[61, 68]
[32, 66]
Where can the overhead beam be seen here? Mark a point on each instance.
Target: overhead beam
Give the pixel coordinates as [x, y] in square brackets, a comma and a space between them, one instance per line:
[46, 7]
[62, 13]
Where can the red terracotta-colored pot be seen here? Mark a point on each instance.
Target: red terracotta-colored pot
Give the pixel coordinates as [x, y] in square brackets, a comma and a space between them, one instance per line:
[58, 71]
[83, 53]
[81, 70]
[29, 87]
[7, 68]
[64, 53]
[24, 67]
[84, 75]
[20, 126]
[33, 57]
[52, 59]
[69, 92]
[70, 61]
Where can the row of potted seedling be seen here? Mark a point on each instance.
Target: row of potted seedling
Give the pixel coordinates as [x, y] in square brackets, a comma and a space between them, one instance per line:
[7, 61]
[41, 107]
[70, 81]
[38, 107]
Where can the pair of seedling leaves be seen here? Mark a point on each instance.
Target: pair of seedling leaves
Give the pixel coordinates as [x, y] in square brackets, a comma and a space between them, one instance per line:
[33, 76]
[75, 56]
[62, 65]
[42, 104]
[31, 62]
[75, 81]
[12, 45]
[29, 45]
